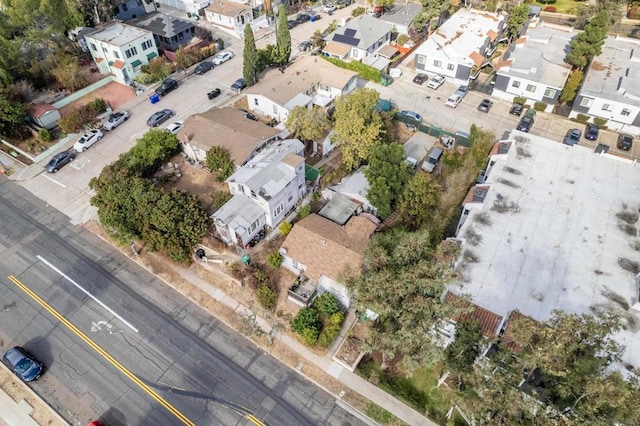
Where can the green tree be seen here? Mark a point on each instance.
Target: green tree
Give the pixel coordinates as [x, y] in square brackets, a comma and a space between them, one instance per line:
[465, 348]
[357, 125]
[518, 15]
[331, 329]
[267, 296]
[283, 37]
[588, 44]
[12, 116]
[327, 304]
[250, 57]
[219, 159]
[307, 323]
[615, 9]
[387, 174]
[274, 260]
[419, 201]
[571, 87]
[150, 152]
[307, 124]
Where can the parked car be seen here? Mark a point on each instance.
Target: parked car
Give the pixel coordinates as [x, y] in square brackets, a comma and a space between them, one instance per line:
[292, 24]
[436, 81]
[341, 4]
[115, 119]
[432, 160]
[329, 7]
[248, 115]
[302, 18]
[462, 91]
[238, 85]
[59, 161]
[417, 117]
[157, 118]
[411, 162]
[222, 57]
[305, 45]
[22, 363]
[485, 105]
[516, 109]
[420, 78]
[572, 137]
[88, 139]
[454, 100]
[525, 124]
[167, 86]
[175, 127]
[625, 142]
[203, 67]
[214, 93]
[592, 132]
[482, 177]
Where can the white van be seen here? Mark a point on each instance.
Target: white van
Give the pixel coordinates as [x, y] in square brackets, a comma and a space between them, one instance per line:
[430, 163]
[454, 100]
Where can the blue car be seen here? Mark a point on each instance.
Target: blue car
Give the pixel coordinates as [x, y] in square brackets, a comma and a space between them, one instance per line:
[592, 132]
[22, 363]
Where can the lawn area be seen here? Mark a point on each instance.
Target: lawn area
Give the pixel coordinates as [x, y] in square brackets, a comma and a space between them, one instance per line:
[562, 6]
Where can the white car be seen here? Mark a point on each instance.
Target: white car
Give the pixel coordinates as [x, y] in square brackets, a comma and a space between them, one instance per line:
[222, 57]
[329, 7]
[87, 140]
[436, 82]
[175, 127]
[115, 119]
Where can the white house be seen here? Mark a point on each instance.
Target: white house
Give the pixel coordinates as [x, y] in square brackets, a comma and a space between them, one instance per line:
[462, 46]
[534, 67]
[230, 16]
[355, 187]
[264, 190]
[611, 86]
[120, 49]
[308, 81]
[360, 38]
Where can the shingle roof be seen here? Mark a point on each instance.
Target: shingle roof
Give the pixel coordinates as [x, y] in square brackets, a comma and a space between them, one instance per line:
[362, 32]
[488, 321]
[227, 8]
[162, 24]
[507, 338]
[327, 248]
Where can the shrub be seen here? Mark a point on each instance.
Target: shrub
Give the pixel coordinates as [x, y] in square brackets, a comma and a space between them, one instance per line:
[402, 39]
[307, 324]
[304, 211]
[261, 276]
[267, 296]
[364, 71]
[44, 135]
[99, 105]
[600, 122]
[539, 106]
[327, 304]
[550, 9]
[285, 228]
[75, 120]
[331, 329]
[274, 260]
[358, 11]
[581, 118]
[310, 336]
[145, 78]
[519, 100]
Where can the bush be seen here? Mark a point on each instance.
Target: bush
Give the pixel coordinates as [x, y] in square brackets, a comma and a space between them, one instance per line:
[331, 329]
[600, 122]
[358, 11]
[99, 105]
[364, 71]
[550, 9]
[327, 304]
[581, 118]
[219, 159]
[267, 296]
[145, 78]
[275, 260]
[310, 336]
[261, 276]
[304, 211]
[307, 324]
[539, 106]
[402, 39]
[285, 228]
[75, 120]
[44, 135]
[519, 100]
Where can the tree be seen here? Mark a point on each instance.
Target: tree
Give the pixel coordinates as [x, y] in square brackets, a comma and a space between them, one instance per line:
[517, 18]
[307, 124]
[12, 116]
[219, 159]
[307, 323]
[357, 125]
[588, 44]
[387, 174]
[587, 11]
[465, 348]
[150, 152]
[419, 201]
[68, 74]
[571, 87]
[250, 57]
[327, 304]
[283, 37]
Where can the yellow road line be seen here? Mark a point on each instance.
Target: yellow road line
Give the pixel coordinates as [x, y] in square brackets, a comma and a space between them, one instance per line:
[254, 420]
[102, 352]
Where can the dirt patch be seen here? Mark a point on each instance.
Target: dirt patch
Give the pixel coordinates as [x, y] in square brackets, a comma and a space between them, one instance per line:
[352, 346]
[400, 132]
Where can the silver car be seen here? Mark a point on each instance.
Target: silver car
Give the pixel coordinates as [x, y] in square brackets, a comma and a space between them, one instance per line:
[87, 140]
[115, 119]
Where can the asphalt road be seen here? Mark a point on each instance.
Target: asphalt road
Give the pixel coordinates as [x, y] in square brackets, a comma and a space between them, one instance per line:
[121, 346]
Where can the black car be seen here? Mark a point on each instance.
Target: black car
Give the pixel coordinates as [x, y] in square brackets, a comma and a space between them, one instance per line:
[485, 105]
[214, 93]
[302, 18]
[60, 160]
[516, 109]
[21, 362]
[592, 132]
[159, 117]
[625, 142]
[248, 115]
[203, 67]
[292, 24]
[167, 86]
[238, 85]
[305, 45]
[420, 78]
[525, 124]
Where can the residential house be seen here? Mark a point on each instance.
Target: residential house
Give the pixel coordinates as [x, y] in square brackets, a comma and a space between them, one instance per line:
[535, 246]
[128, 9]
[263, 191]
[168, 31]
[359, 39]
[462, 46]
[45, 115]
[309, 81]
[534, 67]
[611, 86]
[322, 250]
[228, 128]
[120, 49]
[401, 16]
[355, 187]
[230, 15]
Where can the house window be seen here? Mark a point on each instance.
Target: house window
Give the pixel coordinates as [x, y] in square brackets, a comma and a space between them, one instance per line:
[606, 107]
[355, 53]
[181, 36]
[253, 193]
[550, 93]
[93, 47]
[515, 84]
[124, 7]
[295, 264]
[626, 112]
[531, 88]
[254, 225]
[134, 51]
[146, 44]
[278, 210]
[255, 101]
[586, 102]
[437, 64]
[324, 87]
[104, 49]
[174, 39]
[115, 53]
[290, 198]
[275, 109]
[450, 67]
[127, 53]
[422, 59]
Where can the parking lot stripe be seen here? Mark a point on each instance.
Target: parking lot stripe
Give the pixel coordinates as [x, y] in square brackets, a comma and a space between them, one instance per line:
[54, 181]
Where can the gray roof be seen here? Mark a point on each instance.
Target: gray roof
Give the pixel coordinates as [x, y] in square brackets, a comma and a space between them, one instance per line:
[239, 213]
[615, 73]
[361, 32]
[339, 209]
[117, 33]
[163, 25]
[402, 14]
[539, 55]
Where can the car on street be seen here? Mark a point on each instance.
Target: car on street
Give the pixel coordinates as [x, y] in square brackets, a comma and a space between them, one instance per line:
[167, 86]
[485, 105]
[59, 161]
[214, 93]
[625, 142]
[572, 137]
[22, 363]
[302, 18]
[420, 78]
[329, 7]
[203, 67]
[159, 117]
[88, 139]
[305, 45]
[115, 119]
[417, 117]
[238, 85]
[292, 24]
[516, 109]
[525, 124]
[462, 91]
[436, 81]
[175, 127]
[341, 4]
[222, 57]
[592, 132]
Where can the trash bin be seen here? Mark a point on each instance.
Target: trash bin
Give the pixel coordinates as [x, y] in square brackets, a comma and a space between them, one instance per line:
[154, 98]
[313, 18]
[246, 259]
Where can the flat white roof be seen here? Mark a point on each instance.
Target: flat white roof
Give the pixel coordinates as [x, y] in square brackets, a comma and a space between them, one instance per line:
[118, 34]
[556, 228]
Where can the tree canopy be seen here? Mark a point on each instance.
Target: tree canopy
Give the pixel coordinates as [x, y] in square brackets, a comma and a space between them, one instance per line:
[419, 201]
[588, 44]
[387, 174]
[250, 58]
[518, 15]
[307, 124]
[283, 39]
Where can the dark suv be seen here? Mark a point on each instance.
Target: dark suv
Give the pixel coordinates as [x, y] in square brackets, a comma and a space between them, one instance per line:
[625, 142]
[167, 86]
[592, 132]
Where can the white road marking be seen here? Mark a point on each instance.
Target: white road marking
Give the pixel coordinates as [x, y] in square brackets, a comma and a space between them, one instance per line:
[62, 274]
[54, 181]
